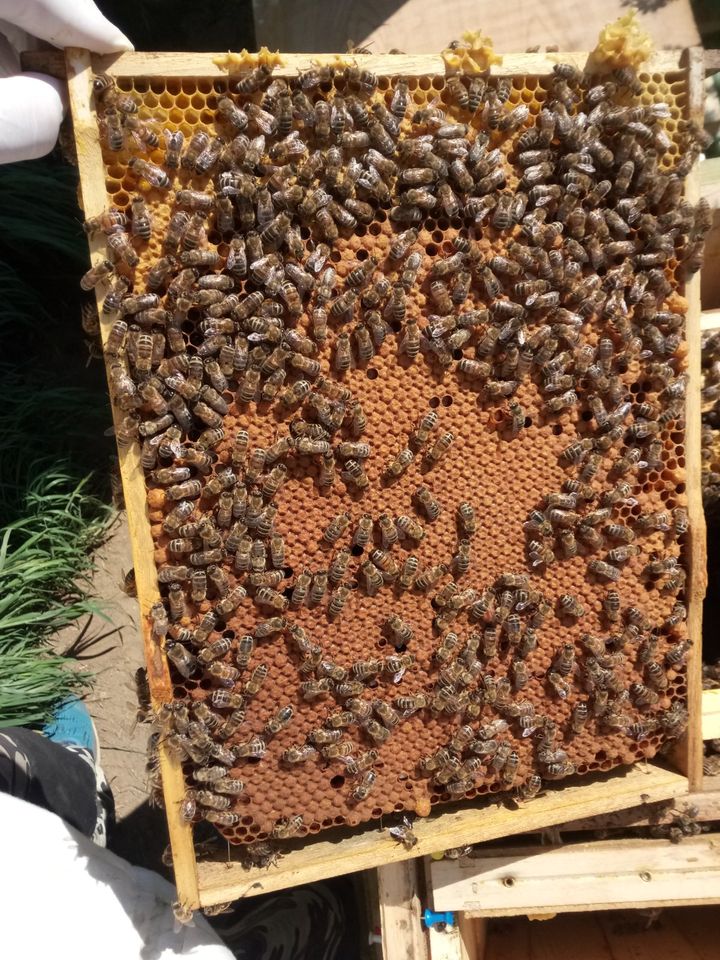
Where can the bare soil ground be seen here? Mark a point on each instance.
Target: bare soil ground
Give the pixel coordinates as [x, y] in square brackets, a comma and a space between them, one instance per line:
[140, 835]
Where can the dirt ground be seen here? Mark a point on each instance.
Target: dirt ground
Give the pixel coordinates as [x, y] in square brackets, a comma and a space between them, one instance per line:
[140, 835]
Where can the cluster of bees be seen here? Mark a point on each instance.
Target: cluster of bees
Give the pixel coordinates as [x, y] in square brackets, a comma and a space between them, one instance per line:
[585, 222]
[711, 422]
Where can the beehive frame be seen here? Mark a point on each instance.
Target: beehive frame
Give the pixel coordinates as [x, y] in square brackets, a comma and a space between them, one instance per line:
[208, 882]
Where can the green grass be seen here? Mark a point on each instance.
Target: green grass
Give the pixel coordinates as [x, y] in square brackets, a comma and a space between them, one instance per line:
[45, 559]
[53, 413]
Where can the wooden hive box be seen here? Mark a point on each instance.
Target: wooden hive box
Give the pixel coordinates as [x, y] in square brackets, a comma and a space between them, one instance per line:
[222, 878]
[687, 933]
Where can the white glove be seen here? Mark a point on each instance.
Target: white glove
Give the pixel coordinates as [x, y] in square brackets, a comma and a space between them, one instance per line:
[31, 104]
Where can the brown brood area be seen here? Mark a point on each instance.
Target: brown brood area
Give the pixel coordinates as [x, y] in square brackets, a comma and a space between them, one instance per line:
[589, 351]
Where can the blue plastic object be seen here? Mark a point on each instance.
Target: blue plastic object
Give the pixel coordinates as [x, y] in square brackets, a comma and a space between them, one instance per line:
[72, 726]
[430, 918]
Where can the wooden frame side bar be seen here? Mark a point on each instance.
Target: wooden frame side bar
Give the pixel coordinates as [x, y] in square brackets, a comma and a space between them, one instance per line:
[94, 201]
[689, 752]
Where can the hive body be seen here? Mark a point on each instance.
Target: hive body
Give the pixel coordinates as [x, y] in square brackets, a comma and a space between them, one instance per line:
[507, 457]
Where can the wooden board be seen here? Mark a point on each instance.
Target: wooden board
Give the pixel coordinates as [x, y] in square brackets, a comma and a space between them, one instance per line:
[399, 895]
[601, 875]
[706, 802]
[710, 189]
[319, 25]
[711, 714]
[710, 320]
[699, 927]
[688, 933]
[448, 943]
[211, 882]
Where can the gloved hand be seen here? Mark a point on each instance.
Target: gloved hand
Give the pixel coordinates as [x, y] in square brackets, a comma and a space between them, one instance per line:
[31, 104]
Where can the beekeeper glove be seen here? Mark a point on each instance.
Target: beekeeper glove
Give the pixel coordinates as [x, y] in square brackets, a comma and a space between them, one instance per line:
[32, 104]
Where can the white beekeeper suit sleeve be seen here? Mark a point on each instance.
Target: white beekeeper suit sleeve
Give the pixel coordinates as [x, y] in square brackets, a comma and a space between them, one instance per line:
[31, 104]
[63, 896]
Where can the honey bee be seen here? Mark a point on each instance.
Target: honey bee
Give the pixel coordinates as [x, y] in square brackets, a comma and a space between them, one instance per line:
[364, 787]
[440, 448]
[286, 828]
[604, 570]
[300, 754]
[149, 172]
[358, 421]
[559, 684]
[389, 717]
[388, 531]
[279, 721]
[678, 615]
[622, 554]
[401, 632]
[674, 721]
[181, 658]
[642, 696]
[409, 528]
[96, 274]
[255, 748]
[402, 244]
[354, 473]
[461, 560]
[569, 606]
[399, 464]
[336, 750]
[254, 80]
[336, 528]
[312, 689]
[373, 578]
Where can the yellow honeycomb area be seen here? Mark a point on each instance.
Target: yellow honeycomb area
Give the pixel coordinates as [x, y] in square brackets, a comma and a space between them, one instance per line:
[474, 54]
[622, 43]
[502, 476]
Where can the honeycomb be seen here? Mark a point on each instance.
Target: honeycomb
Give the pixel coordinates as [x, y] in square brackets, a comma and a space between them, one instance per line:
[521, 663]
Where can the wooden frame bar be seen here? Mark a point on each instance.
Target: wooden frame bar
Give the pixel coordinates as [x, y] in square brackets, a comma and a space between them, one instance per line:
[688, 753]
[80, 72]
[367, 847]
[600, 875]
[208, 882]
[141, 64]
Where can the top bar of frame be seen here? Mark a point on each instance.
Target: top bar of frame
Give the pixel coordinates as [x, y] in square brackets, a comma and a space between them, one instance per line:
[407, 65]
